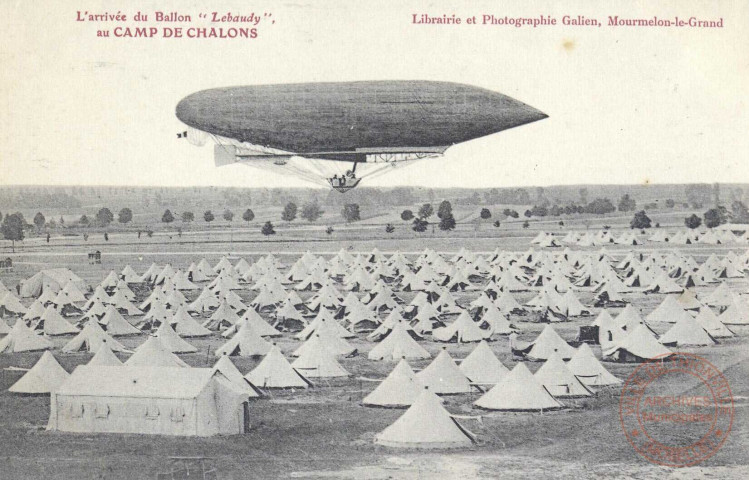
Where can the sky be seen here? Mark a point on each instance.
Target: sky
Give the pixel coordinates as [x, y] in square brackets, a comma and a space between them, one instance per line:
[625, 105]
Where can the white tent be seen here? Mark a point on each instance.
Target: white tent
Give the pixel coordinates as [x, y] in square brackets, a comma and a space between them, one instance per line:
[153, 353]
[172, 341]
[586, 367]
[426, 424]
[518, 391]
[91, 338]
[462, 330]
[105, 357]
[638, 346]
[398, 344]
[146, 400]
[482, 367]
[44, 377]
[400, 388]
[317, 361]
[274, 371]
[245, 343]
[22, 339]
[443, 376]
[712, 325]
[559, 380]
[687, 331]
[115, 324]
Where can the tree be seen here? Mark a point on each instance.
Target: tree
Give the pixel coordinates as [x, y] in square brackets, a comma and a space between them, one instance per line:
[496, 224]
[289, 212]
[526, 224]
[12, 228]
[389, 228]
[188, 217]
[125, 216]
[715, 217]
[407, 215]
[508, 212]
[539, 211]
[670, 203]
[84, 221]
[420, 225]
[268, 229]
[528, 214]
[39, 221]
[168, 217]
[228, 215]
[104, 217]
[208, 216]
[351, 212]
[426, 211]
[329, 230]
[311, 211]
[445, 209]
[739, 212]
[693, 221]
[447, 222]
[600, 206]
[640, 220]
[485, 214]
[627, 203]
[248, 215]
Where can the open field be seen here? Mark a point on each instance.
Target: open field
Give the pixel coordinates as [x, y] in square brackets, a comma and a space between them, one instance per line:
[325, 432]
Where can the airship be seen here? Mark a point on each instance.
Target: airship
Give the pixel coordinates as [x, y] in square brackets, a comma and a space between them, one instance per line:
[323, 132]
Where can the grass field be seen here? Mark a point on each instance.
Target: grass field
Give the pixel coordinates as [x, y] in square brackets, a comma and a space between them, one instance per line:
[325, 432]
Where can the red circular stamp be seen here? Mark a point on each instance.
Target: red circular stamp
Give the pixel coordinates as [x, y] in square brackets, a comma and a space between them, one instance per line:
[676, 410]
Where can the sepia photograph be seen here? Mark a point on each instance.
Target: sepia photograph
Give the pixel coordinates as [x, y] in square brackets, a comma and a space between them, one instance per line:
[339, 239]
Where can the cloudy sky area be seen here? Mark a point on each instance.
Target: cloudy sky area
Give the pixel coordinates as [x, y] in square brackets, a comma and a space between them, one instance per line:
[624, 105]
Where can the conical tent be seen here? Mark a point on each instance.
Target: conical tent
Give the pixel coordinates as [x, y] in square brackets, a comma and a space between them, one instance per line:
[44, 377]
[274, 371]
[669, 311]
[245, 343]
[518, 391]
[232, 373]
[398, 344]
[4, 328]
[586, 367]
[104, 357]
[559, 380]
[400, 388]
[496, 321]
[736, 314]
[462, 330]
[22, 339]
[638, 346]
[426, 424]
[317, 361]
[55, 324]
[152, 353]
[10, 304]
[548, 342]
[115, 324]
[443, 376]
[687, 331]
[172, 341]
[482, 367]
[186, 326]
[332, 342]
[91, 339]
[712, 325]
